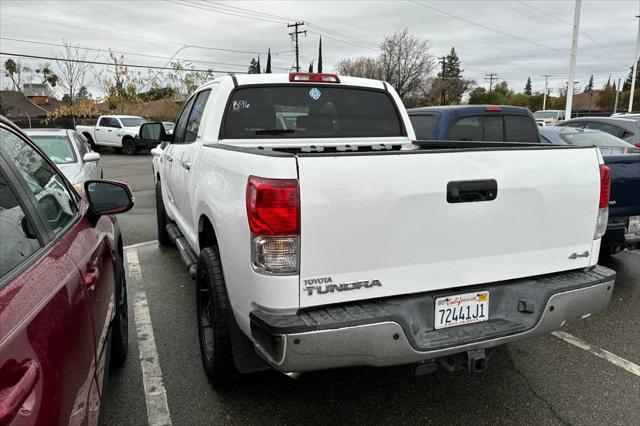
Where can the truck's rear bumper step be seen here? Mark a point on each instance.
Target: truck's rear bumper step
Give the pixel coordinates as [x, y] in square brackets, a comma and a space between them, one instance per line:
[399, 330]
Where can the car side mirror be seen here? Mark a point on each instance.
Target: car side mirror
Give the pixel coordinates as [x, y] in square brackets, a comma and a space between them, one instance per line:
[108, 197]
[91, 156]
[153, 131]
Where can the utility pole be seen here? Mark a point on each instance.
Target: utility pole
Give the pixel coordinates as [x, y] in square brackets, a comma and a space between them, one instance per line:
[443, 61]
[492, 76]
[546, 89]
[635, 67]
[615, 106]
[572, 62]
[295, 34]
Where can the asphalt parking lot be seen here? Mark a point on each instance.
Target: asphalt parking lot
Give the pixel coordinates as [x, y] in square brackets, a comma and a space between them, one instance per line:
[546, 380]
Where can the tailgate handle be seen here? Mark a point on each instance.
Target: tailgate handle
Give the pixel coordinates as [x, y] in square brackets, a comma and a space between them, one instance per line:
[469, 191]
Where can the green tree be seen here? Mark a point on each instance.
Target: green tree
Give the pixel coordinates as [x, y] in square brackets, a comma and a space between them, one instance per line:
[84, 94]
[156, 93]
[48, 76]
[253, 67]
[527, 87]
[15, 71]
[258, 68]
[607, 97]
[268, 69]
[589, 87]
[452, 65]
[627, 82]
[311, 66]
[449, 85]
[320, 55]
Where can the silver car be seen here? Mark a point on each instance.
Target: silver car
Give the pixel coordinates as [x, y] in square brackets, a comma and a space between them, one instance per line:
[620, 126]
[70, 151]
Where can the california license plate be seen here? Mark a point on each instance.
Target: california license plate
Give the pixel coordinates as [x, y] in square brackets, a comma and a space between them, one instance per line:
[634, 225]
[461, 309]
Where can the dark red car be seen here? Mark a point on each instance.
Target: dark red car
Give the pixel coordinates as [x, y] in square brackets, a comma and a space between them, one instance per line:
[63, 297]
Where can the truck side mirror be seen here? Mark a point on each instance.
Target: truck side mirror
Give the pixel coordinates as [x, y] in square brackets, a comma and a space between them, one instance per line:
[153, 132]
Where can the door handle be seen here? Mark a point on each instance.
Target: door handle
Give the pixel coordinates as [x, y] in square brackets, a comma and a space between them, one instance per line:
[14, 396]
[97, 130]
[469, 191]
[186, 165]
[109, 130]
[91, 276]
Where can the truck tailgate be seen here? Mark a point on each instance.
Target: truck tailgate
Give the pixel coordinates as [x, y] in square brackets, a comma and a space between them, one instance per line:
[376, 225]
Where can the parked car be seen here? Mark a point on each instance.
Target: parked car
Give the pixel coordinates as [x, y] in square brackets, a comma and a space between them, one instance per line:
[70, 152]
[474, 123]
[623, 229]
[549, 117]
[333, 240]
[618, 126]
[63, 297]
[116, 131]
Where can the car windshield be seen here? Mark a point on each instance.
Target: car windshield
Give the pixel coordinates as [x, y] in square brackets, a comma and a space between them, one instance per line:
[599, 139]
[545, 114]
[310, 111]
[58, 148]
[168, 126]
[132, 121]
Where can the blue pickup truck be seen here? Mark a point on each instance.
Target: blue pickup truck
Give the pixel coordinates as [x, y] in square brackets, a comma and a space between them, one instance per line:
[516, 124]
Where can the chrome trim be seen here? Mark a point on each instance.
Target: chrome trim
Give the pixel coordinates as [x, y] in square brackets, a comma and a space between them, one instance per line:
[375, 345]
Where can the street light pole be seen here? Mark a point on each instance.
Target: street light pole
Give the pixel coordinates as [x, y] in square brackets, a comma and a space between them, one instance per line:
[572, 62]
[635, 67]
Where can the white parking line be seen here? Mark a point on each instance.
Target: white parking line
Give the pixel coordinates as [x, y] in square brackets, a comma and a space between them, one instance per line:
[154, 390]
[145, 243]
[601, 353]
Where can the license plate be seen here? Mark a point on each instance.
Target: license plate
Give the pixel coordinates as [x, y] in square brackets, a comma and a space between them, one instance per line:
[634, 225]
[460, 309]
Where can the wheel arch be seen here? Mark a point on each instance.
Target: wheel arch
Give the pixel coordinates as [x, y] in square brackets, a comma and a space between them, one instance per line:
[207, 236]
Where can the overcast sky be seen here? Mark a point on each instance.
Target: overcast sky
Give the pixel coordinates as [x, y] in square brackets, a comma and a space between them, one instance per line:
[514, 39]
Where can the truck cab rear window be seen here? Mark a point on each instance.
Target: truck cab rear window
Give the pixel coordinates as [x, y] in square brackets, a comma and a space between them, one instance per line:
[308, 111]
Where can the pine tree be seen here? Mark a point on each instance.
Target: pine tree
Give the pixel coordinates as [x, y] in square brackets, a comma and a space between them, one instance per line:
[253, 67]
[259, 70]
[452, 65]
[627, 82]
[589, 87]
[320, 55]
[311, 66]
[527, 87]
[268, 69]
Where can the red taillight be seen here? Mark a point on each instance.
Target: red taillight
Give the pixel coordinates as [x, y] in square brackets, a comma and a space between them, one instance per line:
[273, 206]
[638, 144]
[313, 77]
[605, 186]
[493, 108]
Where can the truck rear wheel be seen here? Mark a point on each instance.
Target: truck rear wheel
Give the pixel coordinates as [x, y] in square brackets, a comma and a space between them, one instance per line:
[129, 146]
[214, 314]
[161, 218]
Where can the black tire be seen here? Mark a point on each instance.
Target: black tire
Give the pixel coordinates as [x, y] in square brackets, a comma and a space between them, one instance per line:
[120, 324]
[213, 320]
[129, 146]
[162, 220]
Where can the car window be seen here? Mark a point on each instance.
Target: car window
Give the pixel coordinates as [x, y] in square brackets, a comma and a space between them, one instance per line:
[493, 128]
[57, 148]
[178, 132]
[466, 129]
[17, 230]
[82, 147]
[609, 128]
[520, 128]
[424, 126]
[579, 124]
[544, 139]
[55, 204]
[193, 124]
[104, 122]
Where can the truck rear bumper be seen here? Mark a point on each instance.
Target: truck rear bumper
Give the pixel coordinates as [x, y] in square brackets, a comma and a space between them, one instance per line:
[399, 330]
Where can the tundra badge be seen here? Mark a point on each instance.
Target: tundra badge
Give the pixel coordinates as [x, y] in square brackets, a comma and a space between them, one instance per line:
[325, 285]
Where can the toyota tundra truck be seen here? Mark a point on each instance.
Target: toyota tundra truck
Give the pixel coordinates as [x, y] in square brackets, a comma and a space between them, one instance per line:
[319, 235]
[115, 131]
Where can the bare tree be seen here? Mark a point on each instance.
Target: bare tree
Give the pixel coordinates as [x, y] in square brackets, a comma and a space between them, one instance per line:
[405, 62]
[73, 67]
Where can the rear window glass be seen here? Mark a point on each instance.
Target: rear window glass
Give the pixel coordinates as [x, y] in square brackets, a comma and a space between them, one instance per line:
[424, 126]
[467, 129]
[518, 128]
[57, 148]
[310, 111]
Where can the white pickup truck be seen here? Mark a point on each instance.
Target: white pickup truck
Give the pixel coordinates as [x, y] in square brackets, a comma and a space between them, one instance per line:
[320, 235]
[116, 131]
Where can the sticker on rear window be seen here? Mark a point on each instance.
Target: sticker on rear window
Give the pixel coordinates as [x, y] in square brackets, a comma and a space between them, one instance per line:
[238, 105]
[315, 94]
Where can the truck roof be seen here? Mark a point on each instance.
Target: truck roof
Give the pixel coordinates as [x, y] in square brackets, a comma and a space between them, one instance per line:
[474, 109]
[280, 78]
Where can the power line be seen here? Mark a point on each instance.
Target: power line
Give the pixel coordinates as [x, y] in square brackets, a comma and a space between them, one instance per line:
[112, 64]
[95, 49]
[295, 33]
[488, 28]
[491, 76]
[584, 33]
